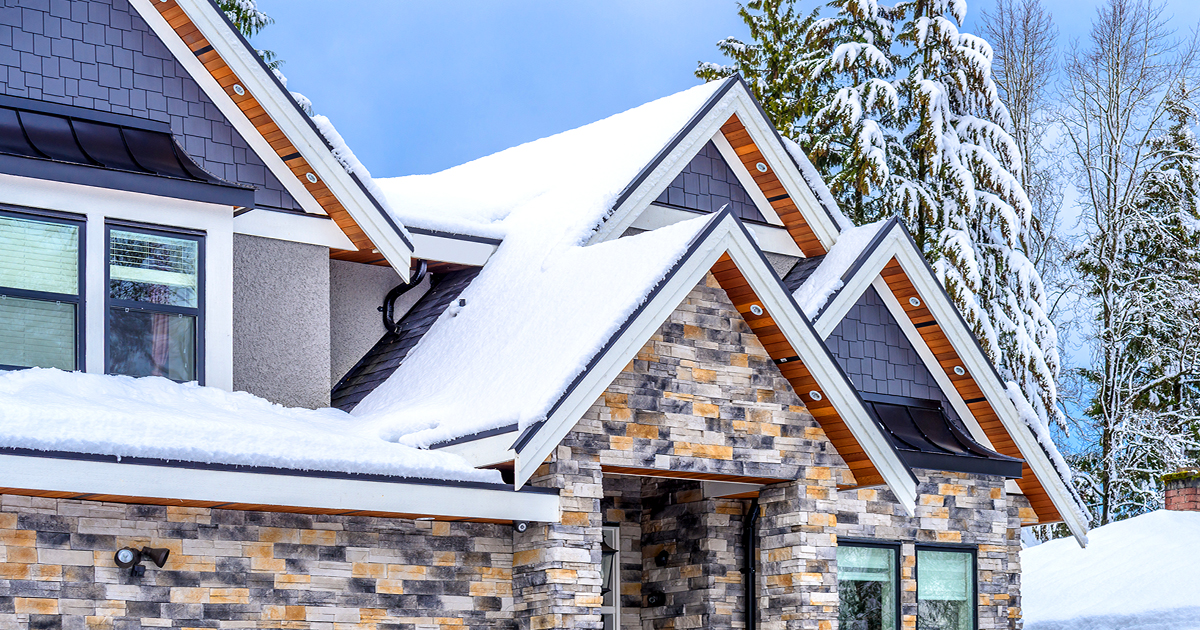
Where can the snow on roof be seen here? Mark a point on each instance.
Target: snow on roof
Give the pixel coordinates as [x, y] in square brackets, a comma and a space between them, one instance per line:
[817, 184]
[52, 410]
[578, 172]
[532, 320]
[827, 279]
[1140, 572]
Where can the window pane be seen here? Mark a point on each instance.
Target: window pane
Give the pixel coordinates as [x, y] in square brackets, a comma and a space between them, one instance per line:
[35, 333]
[39, 256]
[151, 344]
[866, 588]
[154, 269]
[945, 583]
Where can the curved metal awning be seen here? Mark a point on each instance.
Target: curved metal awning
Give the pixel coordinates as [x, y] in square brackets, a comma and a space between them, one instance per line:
[93, 148]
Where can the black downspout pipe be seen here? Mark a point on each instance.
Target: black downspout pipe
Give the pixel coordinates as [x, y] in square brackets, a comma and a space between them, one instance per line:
[389, 303]
[750, 532]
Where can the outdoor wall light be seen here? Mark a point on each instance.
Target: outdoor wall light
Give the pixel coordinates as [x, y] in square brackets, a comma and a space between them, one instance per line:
[958, 369]
[762, 168]
[521, 526]
[130, 558]
[239, 90]
[914, 301]
[815, 395]
[756, 309]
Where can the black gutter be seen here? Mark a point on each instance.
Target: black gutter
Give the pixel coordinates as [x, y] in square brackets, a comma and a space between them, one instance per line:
[532, 429]
[288, 95]
[471, 238]
[858, 263]
[508, 428]
[750, 535]
[266, 470]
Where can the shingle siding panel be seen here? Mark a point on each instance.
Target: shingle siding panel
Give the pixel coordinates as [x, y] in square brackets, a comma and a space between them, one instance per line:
[102, 55]
[706, 184]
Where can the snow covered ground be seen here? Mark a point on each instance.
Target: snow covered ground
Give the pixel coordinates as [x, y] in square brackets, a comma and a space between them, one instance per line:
[1142, 573]
[52, 410]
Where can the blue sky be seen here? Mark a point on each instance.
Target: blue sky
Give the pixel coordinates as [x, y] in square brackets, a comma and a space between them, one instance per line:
[417, 87]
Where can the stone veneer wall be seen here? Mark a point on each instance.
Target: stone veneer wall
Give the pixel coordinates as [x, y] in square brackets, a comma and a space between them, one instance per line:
[233, 569]
[954, 508]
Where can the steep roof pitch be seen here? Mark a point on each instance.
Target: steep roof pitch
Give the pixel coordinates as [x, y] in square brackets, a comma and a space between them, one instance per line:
[883, 255]
[324, 178]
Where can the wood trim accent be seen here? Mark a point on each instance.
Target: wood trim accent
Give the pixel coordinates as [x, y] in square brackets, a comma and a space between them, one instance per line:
[739, 291]
[258, 117]
[989, 420]
[735, 132]
[683, 474]
[289, 509]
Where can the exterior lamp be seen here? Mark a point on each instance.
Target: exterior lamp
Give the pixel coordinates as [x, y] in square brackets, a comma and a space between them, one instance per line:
[130, 558]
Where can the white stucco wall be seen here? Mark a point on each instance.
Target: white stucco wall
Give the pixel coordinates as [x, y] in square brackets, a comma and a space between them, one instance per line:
[356, 292]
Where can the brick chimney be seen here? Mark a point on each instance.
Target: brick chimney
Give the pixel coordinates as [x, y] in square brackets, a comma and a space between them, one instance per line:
[1183, 490]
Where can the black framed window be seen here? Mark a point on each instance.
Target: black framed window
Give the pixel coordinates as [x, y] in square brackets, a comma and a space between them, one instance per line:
[946, 588]
[155, 302]
[868, 585]
[41, 290]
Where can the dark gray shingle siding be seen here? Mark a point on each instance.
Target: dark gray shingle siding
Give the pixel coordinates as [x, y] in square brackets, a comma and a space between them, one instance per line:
[706, 184]
[878, 358]
[103, 56]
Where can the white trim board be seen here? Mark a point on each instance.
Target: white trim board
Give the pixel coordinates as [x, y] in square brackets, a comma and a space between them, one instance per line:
[246, 66]
[295, 227]
[448, 249]
[727, 236]
[770, 238]
[187, 484]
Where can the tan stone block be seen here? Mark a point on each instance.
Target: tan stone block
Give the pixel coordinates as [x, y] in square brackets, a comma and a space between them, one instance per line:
[644, 431]
[932, 499]
[867, 494]
[690, 571]
[98, 622]
[406, 572]
[45, 572]
[706, 410]
[441, 528]
[780, 554]
[769, 428]
[15, 571]
[35, 606]
[613, 399]
[818, 472]
[955, 537]
[258, 550]
[741, 360]
[287, 579]
[623, 414]
[590, 600]
[368, 570]
[482, 589]
[391, 587]
[318, 537]
[189, 595]
[996, 493]
[693, 332]
[818, 519]
[952, 489]
[18, 538]
[444, 559]
[704, 376]
[278, 535]
[545, 622]
[229, 596]
[620, 442]
[268, 565]
[8, 520]
[578, 519]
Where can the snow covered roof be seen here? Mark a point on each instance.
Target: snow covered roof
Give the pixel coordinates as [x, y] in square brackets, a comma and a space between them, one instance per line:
[575, 174]
[1136, 573]
[828, 278]
[52, 410]
[532, 319]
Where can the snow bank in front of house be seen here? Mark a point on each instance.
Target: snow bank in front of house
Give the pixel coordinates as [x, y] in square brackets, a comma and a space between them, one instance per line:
[52, 410]
[827, 279]
[583, 170]
[1143, 572]
[532, 321]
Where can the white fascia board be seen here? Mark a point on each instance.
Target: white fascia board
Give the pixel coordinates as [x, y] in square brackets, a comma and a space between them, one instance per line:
[777, 157]
[245, 64]
[727, 237]
[228, 108]
[488, 451]
[981, 369]
[447, 248]
[292, 226]
[746, 180]
[833, 382]
[188, 484]
[770, 238]
[855, 285]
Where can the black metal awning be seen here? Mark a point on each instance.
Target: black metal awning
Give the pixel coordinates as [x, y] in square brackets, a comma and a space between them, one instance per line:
[925, 437]
[81, 146]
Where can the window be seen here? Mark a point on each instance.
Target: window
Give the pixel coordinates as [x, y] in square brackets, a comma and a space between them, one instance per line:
[945, 589]
[41, 288]
[155, 303]
[610, 578]
[868, 587]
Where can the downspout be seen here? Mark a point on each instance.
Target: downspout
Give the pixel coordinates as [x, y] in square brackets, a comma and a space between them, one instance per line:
[750, 534]
[389, 303]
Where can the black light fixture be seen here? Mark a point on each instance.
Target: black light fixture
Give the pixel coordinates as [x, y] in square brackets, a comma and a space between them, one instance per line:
[130, 558]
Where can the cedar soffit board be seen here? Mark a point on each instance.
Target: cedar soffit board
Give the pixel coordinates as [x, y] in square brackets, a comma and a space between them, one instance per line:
[793, 369]
[770, 186]
[934, 336]
[279, 142]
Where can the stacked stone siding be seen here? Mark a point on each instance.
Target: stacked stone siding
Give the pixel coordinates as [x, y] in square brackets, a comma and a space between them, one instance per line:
[233, 569]
[952, 508]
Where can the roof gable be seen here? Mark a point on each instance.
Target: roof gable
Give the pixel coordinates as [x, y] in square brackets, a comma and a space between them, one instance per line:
[707, 184]
[323, 178]
[889, 261]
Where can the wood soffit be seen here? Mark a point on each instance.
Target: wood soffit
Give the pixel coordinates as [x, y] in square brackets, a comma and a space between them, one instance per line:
[283, 147]
[948, 358]
[771, 188]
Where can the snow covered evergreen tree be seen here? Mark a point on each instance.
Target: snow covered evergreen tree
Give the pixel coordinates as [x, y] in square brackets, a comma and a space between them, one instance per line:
[898, 110]
[246, 17]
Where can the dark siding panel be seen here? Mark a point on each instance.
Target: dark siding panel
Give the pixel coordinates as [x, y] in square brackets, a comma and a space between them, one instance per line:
[878, 358]
[706, 184]
[383, 359]
[800, 273]
[101, 55]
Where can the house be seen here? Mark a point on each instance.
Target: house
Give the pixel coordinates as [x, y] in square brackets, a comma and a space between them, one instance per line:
[1157, 582]
[640, 374]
